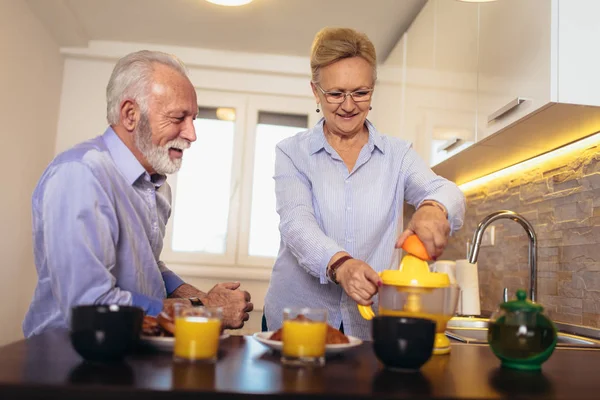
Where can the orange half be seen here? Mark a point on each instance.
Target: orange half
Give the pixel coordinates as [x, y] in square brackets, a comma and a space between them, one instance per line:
[414, 246]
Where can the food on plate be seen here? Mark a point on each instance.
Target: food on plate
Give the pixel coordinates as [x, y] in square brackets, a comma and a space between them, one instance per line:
[151, 327]
[161, 325]
[334, 336]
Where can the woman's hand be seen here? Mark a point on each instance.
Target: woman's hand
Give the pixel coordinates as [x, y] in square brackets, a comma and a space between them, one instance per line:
[359, 281]
[431, 225]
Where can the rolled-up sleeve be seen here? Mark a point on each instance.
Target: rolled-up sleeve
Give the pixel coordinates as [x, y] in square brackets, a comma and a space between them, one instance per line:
[80, 233]
[421, 184]
[298, 226]
[171, 279]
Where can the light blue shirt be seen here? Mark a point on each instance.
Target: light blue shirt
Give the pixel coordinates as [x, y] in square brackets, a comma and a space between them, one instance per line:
[98, 226]
[324, 209]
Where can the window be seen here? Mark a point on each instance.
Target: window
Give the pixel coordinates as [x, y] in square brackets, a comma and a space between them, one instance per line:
[264, 220]
[201, 204]
[224, 195]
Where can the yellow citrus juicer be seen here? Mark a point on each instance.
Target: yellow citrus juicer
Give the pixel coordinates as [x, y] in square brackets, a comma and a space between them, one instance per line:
[414, 291]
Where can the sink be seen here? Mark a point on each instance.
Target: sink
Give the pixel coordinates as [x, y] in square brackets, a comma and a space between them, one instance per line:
[474, 330]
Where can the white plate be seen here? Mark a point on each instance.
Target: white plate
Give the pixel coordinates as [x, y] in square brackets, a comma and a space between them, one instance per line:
[330, 349]
[163, 343]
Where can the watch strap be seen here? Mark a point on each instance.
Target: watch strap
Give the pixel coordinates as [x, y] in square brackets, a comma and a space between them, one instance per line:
[331, 271]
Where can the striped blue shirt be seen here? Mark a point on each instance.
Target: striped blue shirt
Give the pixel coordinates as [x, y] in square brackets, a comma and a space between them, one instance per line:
[325, 209]
[98, 226]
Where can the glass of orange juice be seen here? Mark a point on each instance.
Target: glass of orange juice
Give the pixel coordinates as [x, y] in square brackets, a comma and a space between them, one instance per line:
[304, 333]
[197, 331]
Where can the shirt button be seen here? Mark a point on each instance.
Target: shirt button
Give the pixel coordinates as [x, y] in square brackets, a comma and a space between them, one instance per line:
[347, 181]
[348, 208]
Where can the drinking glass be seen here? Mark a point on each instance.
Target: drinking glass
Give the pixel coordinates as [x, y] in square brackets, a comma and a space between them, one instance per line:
[304, 334]
[197, 331]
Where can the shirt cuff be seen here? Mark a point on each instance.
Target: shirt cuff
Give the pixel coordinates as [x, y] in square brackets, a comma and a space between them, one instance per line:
[151, 305]
[172, 281]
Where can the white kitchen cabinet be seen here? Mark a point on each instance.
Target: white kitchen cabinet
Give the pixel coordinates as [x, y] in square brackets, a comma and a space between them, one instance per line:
[533, 53]
[514, 61]
[418, 66]
[441, 79]
[538, 83]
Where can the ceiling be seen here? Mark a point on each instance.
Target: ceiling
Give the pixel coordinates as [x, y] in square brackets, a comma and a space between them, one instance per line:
[283, 27]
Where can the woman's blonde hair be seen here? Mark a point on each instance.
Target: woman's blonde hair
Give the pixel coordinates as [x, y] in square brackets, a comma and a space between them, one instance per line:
[334, 44]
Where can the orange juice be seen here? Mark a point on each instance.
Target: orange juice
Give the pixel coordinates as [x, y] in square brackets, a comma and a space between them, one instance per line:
[304, 339]
[197, 338]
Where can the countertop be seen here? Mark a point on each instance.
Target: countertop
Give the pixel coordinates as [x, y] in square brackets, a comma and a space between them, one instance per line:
[47, 367]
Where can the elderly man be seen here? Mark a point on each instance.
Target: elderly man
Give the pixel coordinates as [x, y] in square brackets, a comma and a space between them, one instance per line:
[100, 208]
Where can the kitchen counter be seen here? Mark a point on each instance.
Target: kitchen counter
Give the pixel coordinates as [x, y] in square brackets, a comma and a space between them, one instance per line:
[47, 367]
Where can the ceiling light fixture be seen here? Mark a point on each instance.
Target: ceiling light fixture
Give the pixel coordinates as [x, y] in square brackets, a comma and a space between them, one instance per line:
[230, 3]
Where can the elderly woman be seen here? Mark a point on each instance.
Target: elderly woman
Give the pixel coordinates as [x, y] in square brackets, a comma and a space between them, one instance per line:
[340, 189]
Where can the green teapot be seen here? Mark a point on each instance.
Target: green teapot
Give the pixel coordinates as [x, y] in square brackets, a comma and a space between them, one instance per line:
[520, 335]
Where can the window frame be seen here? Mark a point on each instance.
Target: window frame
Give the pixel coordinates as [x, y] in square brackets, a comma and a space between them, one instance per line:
[247, 108]
[214, 99]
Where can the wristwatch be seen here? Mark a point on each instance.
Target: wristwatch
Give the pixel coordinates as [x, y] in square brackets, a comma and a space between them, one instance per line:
[196, 302]
[332, 270]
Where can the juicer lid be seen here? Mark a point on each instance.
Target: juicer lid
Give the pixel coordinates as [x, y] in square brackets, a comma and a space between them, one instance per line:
[414, 272]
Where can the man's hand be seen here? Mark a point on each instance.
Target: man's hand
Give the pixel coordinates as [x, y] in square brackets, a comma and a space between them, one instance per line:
[235, 303]
[359, 281]
[431, 226]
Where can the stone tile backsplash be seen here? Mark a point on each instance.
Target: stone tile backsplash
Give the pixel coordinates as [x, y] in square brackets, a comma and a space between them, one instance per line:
[561, 199]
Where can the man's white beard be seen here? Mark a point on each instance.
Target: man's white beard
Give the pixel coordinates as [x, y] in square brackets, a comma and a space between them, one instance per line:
[158, 156]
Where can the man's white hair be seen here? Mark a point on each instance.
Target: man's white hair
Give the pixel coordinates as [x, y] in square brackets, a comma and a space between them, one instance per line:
[132, 78]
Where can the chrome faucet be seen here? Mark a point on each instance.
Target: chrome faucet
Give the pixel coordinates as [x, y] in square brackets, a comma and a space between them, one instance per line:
[505, 214]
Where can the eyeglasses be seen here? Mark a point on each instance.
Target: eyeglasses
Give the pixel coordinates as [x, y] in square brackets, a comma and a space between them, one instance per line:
[337, 97]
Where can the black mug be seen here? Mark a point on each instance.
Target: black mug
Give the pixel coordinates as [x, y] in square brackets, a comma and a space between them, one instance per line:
[105, 333]
[403, 343]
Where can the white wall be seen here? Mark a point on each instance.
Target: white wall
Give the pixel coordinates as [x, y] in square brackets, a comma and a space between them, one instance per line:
[87, 70]
[30, 79]
[83, 102]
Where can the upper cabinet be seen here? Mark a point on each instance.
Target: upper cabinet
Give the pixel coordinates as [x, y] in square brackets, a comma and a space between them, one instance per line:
[441, 79]
[493, 84]
[515, 55]
[533, 53]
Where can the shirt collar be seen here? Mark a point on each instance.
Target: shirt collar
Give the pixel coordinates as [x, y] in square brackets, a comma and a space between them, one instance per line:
[317, 137]
[126, 163]
[318, 141]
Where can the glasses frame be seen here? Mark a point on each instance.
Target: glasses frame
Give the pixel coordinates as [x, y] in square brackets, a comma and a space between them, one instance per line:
[346, 94]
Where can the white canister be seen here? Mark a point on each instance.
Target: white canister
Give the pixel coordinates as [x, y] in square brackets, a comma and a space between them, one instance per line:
[468, 279]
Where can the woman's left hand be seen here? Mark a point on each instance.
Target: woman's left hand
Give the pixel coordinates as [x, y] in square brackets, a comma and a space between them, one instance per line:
[431, 225]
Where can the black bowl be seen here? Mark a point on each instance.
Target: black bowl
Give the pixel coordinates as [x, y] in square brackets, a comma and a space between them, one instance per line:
[105, 333]
[403, 343]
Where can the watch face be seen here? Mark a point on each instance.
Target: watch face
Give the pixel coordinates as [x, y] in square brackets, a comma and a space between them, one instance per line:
[196, 301]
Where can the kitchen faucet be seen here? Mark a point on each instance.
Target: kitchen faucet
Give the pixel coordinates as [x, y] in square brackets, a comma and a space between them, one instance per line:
[506, 214]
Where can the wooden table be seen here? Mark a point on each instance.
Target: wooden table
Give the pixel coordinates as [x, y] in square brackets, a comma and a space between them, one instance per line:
[47, 367]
